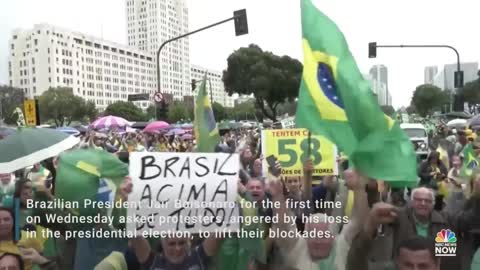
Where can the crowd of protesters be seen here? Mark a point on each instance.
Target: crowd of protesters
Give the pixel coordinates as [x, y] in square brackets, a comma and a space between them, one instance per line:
[386, 228]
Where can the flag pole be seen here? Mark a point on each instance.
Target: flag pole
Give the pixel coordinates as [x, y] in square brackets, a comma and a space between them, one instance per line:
[309, 150]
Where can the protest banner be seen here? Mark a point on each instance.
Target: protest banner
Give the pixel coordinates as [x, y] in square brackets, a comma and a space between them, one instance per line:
[288, 122]
[290, 148]
[183, 192]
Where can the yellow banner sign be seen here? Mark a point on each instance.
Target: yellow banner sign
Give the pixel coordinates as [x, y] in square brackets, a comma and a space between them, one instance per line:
[30, 112]
[290, 148]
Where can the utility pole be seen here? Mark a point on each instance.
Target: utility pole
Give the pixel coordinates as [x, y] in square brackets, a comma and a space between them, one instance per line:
[458, 75]
[241, 28]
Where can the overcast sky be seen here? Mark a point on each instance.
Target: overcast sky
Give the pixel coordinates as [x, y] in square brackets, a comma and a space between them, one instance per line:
[275, 26]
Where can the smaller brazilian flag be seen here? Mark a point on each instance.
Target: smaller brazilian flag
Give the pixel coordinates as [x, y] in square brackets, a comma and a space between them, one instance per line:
[470, 161]
[206, 131]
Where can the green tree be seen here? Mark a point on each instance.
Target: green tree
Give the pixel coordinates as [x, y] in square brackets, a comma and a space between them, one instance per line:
[428, 98]
[244, 111]
[10, 99]
[219, 111]
[289, 108]
[411, 109]
[177, 111]
[90, 112]
[471, 92]
[63, 107]
[388, 110]
[160, 111]
[126, 110]
[270, 78]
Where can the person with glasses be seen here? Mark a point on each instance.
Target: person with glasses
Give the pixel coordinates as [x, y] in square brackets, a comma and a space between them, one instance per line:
[419, 219]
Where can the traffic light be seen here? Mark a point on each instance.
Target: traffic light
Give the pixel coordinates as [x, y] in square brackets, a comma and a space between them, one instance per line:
[162, 110]
[241, 23]
[458, 79]
[372, 50]
[458, 105]
[37, 109]
[194, 85]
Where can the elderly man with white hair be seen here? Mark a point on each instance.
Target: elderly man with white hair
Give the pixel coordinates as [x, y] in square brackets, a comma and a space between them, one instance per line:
[374, 248]
[319, 246]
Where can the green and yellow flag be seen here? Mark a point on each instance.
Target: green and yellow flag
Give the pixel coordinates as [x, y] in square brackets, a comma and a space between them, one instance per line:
[337, 102]
[470, 161]
[206, 131]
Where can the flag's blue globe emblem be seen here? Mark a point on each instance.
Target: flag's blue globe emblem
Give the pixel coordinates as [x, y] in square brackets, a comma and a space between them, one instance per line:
[327, 84]
[472, 164]
[208, 114]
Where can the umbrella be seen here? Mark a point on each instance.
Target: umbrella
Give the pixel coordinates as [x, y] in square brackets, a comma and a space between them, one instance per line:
[246, 125]
[128, 130]
[6, 131]
[69, 130]
[175, 131]
[157, 125]
[140, 125]
[457, 123]
[80, 128]
[474, 122]
[224, 126]
[28, 146]
[187, 136]
[187, 126]
[110, 122]
[462, 115]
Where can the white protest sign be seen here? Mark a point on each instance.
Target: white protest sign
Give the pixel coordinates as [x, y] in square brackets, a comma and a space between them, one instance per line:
[288, 122]
[183, 192]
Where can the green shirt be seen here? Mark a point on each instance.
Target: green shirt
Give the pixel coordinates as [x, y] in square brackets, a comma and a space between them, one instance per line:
[422, 229]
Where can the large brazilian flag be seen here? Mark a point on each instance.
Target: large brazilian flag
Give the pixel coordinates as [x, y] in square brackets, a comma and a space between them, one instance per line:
[337, 102]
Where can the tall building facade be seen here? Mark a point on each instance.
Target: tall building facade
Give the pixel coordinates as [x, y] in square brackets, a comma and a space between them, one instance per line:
[429, 74]
[380, 73]
[149, 24]
[218, 89]
[96, 69]
[445, 78]
[379, 89]
[379, 77]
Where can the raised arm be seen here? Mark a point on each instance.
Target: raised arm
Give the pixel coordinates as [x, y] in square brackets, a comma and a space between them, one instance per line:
[211, 245]
[307, 180]
[356, 182]
[142, 249]
[278, 197]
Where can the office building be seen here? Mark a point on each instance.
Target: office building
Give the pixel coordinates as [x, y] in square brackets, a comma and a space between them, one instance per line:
[379, 89]
[97, 70]
[380, 73]
[218, 90]
[379, 77]
[445, 78]
[429, 74]
[149, 24]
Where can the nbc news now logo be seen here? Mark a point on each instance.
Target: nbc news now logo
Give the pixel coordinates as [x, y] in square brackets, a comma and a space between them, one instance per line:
[445, 243]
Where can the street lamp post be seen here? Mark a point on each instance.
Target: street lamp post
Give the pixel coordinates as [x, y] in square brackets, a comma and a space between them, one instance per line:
[458, 75]
[241, 28]
[1, 106]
